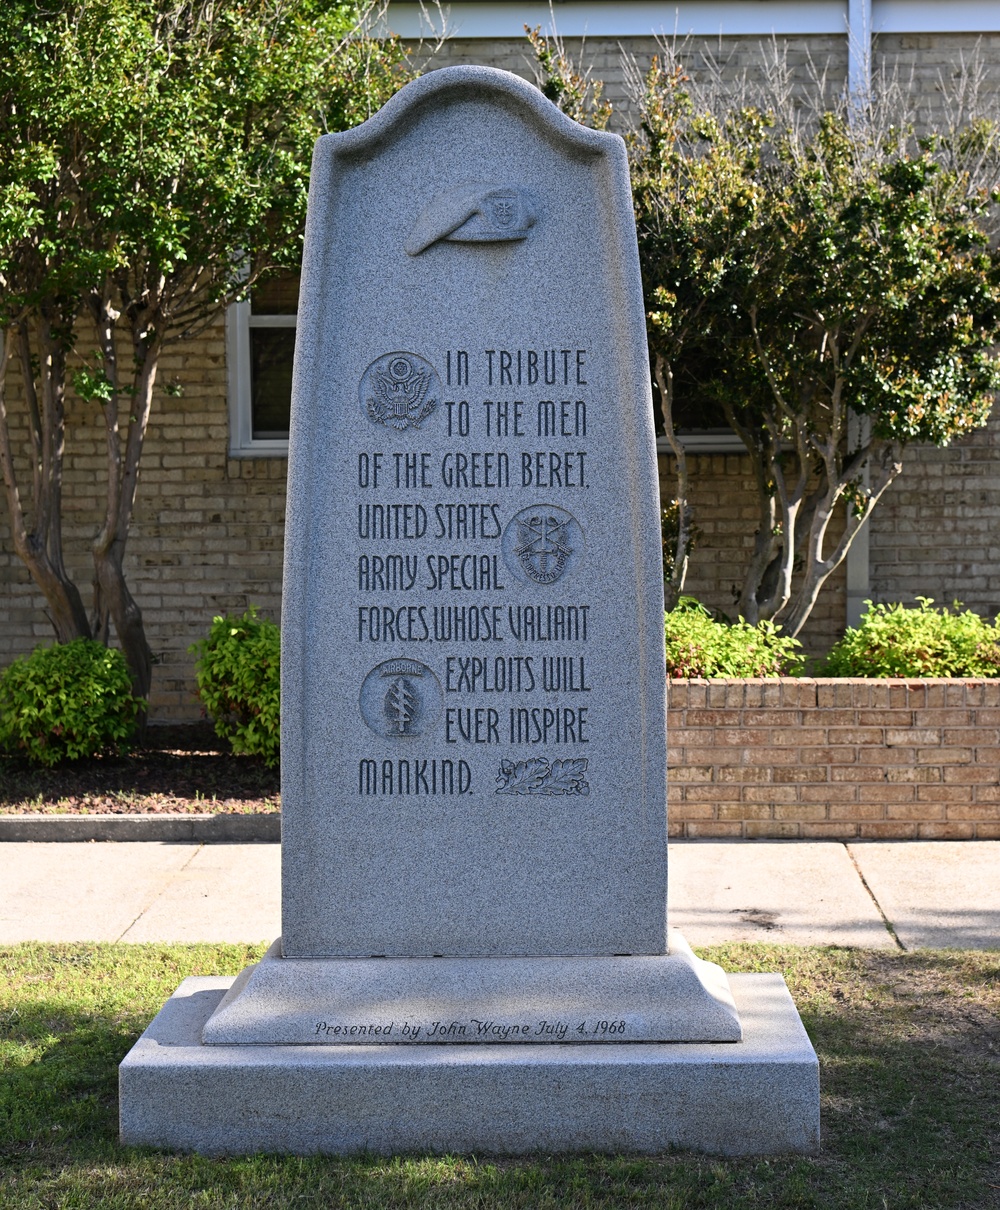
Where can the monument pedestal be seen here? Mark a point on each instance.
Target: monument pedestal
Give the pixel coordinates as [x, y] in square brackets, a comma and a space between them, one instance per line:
[674, 997]
[757, 1096]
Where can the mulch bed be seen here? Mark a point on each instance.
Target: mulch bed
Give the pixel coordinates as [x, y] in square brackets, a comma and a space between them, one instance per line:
[177, 770]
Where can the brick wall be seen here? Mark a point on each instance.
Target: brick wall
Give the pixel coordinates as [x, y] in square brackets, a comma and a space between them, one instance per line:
[926, 65]
[836, 759]
[935, 533]
[207, 532]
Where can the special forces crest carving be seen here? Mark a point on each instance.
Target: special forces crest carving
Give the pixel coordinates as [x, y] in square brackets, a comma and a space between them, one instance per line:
[541, 544]
[400, 698]
[400, 390]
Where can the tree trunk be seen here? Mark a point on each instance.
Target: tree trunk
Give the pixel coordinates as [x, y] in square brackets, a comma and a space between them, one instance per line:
[112, 598]
[126, 617]
[884, 458]
[41, 549]
[673, 584]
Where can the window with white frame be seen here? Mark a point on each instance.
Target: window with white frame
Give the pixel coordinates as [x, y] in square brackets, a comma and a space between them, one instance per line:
[260, 342]
[700, 425]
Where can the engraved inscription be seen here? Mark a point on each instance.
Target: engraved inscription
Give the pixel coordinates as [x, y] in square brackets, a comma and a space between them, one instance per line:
[504, 207]
[525, 725]
[501, 674]
[389, 573]
[377, 522]
[541, 776]
[596, 1029]
[517, 367]
[460, 573]
[402, 705]
[400, 390]
[452, 522]
[504, 418]
[414, 778]
[542, 543]
[549, 725]
[563, 419]
[550, 468]
[400, 698]
[432, 515]
[516, 674]
[461, 367]
[548, 623]
[476, 470]
[457, 521]
[384, 624]
[474, 725]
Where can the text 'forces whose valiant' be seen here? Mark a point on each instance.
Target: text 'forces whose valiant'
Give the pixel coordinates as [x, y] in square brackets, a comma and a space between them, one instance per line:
[462, 624]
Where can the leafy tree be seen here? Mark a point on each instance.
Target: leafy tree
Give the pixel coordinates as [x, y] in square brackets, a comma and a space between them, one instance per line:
[799, 273]
[156, 166]
[695, 214]
[820, 279]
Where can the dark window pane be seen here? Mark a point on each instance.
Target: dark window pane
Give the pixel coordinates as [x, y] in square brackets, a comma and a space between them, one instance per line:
[694, 410]
[694, 415]
[271, 352]
[276, 295]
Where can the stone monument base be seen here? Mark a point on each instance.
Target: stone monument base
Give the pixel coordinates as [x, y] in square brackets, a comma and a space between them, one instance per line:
[757, 1096]
[673, 997]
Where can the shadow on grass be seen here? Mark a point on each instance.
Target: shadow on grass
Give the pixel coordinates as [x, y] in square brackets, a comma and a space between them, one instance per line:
[909, 1046]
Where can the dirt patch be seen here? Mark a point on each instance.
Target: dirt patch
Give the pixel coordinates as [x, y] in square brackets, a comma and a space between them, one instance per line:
[757, 917]
[946, 999]
[177, 770]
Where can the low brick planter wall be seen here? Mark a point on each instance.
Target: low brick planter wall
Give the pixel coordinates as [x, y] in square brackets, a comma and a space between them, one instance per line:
[836, 759]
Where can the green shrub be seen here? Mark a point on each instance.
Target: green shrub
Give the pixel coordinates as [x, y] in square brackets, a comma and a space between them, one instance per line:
[239, 683]
[699, 646]
[67, 702]
[898, 640]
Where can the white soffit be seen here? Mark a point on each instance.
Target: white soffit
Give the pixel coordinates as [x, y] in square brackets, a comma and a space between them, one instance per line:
[631, 18]
[935, 16]
[625, 18]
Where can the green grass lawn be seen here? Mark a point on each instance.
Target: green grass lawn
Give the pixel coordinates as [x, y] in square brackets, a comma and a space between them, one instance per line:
[909, 1046]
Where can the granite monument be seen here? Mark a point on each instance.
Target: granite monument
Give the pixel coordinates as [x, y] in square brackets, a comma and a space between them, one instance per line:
[474, 950]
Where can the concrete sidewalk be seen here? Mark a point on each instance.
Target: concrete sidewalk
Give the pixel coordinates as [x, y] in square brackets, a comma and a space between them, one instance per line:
[902, 894]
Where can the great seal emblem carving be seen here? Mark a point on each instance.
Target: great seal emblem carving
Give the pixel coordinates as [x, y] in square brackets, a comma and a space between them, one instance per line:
[400, 390]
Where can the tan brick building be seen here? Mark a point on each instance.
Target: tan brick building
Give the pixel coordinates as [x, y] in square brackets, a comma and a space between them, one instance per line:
[207, 533]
